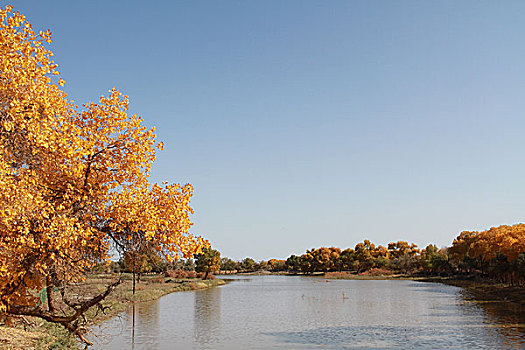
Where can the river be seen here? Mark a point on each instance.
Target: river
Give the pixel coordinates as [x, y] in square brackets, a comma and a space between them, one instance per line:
[294, 312]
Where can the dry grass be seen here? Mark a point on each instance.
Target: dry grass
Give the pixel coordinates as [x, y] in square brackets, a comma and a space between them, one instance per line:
[150, 288]
[14, 339]
[379, 274]
[42, 335]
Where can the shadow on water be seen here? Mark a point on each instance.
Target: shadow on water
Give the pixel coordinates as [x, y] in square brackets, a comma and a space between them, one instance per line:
[508, 316]
[392, 337]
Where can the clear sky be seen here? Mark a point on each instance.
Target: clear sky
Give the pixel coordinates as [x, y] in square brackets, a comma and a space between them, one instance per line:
[315, 123]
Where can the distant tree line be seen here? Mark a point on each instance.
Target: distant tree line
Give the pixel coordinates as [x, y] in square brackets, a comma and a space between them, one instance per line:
[498, 254]
[398, 257]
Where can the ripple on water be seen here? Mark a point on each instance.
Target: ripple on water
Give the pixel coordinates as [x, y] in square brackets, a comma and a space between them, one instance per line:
[283, 312]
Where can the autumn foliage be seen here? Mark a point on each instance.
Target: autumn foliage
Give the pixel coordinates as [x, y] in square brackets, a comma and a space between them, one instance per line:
[399, 256]
[498, 252]
[74, 182]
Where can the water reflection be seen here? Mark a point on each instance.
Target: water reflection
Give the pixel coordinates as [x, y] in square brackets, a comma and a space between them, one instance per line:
[505, 318]
[133, 328]
[207, 317]
[283, 312]
[144, 316]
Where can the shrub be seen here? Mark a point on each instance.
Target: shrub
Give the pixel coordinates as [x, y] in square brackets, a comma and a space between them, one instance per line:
[180, 274]
[338, 275]
[157, 280]
[377, 272]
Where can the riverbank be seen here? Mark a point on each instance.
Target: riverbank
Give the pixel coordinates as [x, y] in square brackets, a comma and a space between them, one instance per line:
[32, 333]
[477, 289]
[482, 290]
[354, 276]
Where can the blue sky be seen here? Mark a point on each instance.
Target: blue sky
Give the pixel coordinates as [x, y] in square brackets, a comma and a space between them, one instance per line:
[306, 123]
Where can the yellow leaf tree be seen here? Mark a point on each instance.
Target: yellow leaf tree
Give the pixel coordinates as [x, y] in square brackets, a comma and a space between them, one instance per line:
[74, 183]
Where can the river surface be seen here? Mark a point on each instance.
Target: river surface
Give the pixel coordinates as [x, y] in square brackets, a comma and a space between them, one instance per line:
[283, 312]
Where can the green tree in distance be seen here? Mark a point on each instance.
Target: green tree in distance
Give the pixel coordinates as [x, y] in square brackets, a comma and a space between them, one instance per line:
[208, 261]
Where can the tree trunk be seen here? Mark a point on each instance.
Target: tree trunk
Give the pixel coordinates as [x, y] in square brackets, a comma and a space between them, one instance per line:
[133, 280]
[50, 297]
[134, 261]
[70, 322]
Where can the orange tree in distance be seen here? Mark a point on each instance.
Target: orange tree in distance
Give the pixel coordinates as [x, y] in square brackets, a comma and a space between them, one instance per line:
[74, 184]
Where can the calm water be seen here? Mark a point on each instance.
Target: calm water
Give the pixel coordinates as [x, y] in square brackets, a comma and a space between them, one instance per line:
[282, 312]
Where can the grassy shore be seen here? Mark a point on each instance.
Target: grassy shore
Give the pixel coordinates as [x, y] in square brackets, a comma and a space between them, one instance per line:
[40, 335]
